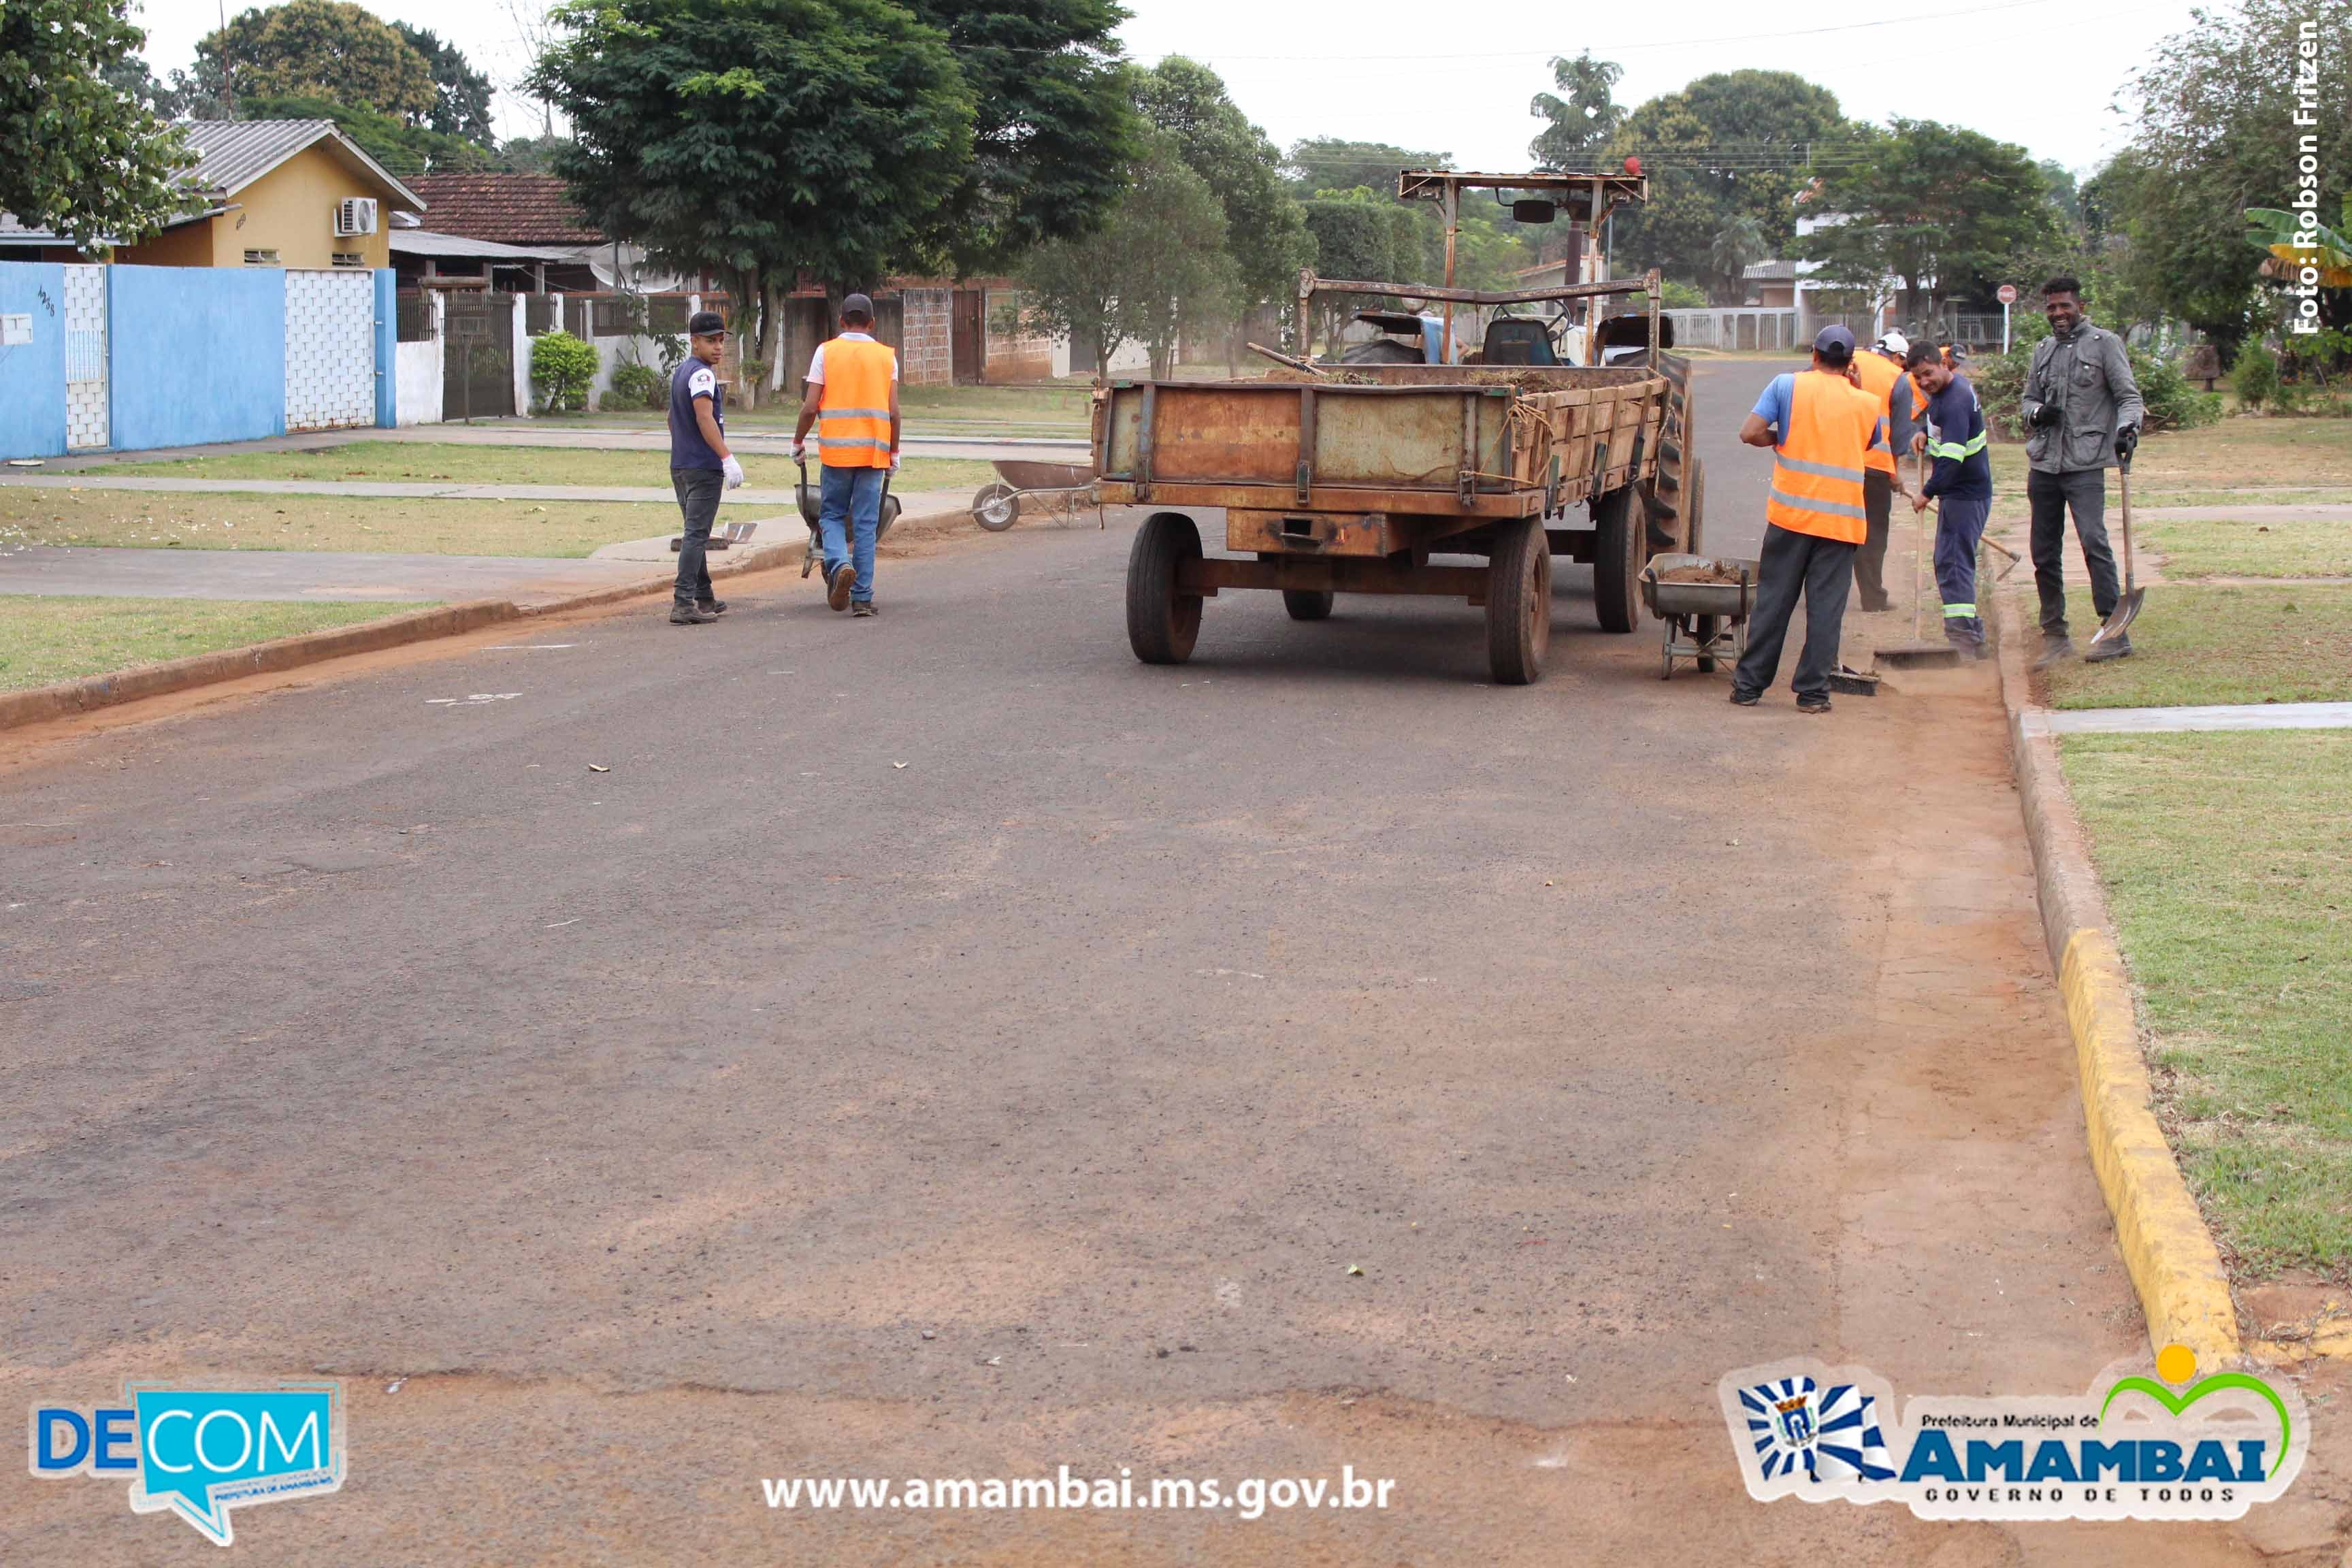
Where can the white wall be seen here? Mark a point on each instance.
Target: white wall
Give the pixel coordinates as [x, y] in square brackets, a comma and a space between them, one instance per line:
[419, 387]
[521, 360]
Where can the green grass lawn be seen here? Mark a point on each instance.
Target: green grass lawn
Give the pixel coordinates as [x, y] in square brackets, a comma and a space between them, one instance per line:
[2229, 872]
[45, 638]
[2194, 645]
[2210, 463]
[2286, 548]
[135, 519]
[465, 463]
[1062, 406]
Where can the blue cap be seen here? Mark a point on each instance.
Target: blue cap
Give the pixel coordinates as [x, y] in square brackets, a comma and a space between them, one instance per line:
[1834, 343]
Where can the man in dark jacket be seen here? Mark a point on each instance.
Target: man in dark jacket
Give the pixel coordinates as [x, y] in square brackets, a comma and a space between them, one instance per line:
[700, 465]
[2083, 410]
[1961, 486]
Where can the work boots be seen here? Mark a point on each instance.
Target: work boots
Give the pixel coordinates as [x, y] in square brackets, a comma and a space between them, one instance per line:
[2105, 648]
[690, 616]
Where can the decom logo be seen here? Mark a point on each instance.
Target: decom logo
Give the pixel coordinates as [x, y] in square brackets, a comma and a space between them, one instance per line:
[2175, 1446]
[201, 1452]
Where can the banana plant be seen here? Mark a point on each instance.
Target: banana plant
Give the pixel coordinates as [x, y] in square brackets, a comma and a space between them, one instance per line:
[2275, 232]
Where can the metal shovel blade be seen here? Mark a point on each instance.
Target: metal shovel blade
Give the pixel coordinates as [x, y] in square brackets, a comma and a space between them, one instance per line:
[2126, 611]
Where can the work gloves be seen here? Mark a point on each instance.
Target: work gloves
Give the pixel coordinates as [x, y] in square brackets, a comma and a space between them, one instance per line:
[2040, 414]
[2127, 442]
[734, 471]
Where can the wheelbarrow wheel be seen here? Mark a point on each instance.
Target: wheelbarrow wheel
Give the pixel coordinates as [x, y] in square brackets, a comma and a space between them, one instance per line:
[1163, 623]
[1308, 603]
[1519, 603]
[997, 507]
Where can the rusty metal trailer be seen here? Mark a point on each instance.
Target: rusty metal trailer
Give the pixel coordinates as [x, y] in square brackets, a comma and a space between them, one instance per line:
[1353, 482]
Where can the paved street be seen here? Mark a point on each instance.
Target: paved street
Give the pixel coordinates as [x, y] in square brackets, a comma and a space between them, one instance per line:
[943, 1046]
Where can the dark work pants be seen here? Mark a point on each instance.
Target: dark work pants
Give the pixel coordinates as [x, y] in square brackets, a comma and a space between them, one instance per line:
[1821, 570]
[2085, 491]
[1959, 524]
[1870, 561]
[698, 498]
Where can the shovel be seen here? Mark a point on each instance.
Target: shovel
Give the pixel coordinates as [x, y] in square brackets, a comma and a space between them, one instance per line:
[2126, 608]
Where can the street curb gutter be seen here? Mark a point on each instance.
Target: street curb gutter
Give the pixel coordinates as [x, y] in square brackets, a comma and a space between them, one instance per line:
[2174, 1267]
[70, 697]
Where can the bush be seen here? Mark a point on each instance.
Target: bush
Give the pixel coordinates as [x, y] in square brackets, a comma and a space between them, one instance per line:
[637, 386]
[2254, 378]
[2172, 402]
[561, 367]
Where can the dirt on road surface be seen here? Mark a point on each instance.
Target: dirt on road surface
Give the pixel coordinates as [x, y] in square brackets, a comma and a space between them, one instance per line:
[943, 1046]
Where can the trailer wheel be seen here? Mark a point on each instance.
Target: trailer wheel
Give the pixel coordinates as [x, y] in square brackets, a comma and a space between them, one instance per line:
[1308, 603]
[1161, 623]
[1617, 560]
[1519, 603]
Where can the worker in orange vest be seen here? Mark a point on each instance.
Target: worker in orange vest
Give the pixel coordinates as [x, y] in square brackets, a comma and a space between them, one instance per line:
[1821, 428]
[852, 399]
[1881, 374]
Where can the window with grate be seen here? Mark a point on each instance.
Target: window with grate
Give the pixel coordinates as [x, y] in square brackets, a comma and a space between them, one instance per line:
[261, 259]
[349, 259]
[414, 309]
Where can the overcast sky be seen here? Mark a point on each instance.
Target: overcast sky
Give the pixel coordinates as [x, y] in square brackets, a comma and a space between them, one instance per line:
[2040, 73]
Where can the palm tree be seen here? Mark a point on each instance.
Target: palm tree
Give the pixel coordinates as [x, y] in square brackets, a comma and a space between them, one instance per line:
[1738, 243]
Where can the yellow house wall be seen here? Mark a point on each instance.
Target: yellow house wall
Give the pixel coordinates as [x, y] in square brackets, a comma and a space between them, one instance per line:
[290, 210]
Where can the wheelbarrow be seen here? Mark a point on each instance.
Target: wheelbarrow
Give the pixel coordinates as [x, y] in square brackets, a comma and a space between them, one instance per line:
[1068, 485]
[1704, 622]
[812, 513]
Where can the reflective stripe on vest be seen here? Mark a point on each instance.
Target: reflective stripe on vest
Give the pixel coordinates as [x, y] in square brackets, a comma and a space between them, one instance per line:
[853, 412]
[1879, 375]
[1817, 469]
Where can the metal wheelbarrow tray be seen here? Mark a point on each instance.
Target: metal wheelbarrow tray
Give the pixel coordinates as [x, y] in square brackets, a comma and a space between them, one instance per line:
[1702, 622]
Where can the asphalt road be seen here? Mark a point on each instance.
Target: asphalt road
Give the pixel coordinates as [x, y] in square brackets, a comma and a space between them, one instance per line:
[942, 1045]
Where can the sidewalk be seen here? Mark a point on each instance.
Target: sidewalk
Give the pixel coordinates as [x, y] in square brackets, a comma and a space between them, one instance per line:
[2163, 721]
[770, 499]
[753, 442]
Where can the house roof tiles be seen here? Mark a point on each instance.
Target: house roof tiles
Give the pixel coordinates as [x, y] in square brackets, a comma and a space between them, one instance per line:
[510, 209]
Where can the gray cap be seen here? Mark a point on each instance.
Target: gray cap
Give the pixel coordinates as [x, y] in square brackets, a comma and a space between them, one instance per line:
[857, 305]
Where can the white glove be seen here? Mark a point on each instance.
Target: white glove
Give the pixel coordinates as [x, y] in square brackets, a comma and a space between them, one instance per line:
[734, 474]
[894, 462]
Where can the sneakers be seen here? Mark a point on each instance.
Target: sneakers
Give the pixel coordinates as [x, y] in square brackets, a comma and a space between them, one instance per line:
[1746, 698]
[1812, 704]
[716, 606]
[690, 616]
[863, 609]
[2105, 648]
[838, 585]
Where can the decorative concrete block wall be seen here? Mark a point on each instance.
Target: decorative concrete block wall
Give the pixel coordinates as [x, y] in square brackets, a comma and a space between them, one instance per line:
[330, 349]
[926, 351]
[87, 427]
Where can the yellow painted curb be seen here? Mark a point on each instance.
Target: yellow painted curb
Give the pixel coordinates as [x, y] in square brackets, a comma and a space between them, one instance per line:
[2183, 1290]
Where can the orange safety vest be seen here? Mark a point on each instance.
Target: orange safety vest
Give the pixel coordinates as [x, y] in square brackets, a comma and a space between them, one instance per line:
[1879, 375]
[853, 412]
[1817, 468]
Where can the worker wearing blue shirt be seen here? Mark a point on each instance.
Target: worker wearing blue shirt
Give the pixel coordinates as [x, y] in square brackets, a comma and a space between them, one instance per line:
[1962, 485]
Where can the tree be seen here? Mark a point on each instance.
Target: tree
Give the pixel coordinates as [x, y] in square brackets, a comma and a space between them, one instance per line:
[531, 154]
[1368, 234]
[1054, 124]
[2217, 133]
[461, 94]
[751, 138]
[1186, 102]
[1577, 127]
[1157, 268]
[1331, 163]
[562, 368]
[1735, 143]
[83, 156]
[320, 48]
[1942, 208]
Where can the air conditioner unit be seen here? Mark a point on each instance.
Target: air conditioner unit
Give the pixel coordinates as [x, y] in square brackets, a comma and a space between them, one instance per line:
[355, 215]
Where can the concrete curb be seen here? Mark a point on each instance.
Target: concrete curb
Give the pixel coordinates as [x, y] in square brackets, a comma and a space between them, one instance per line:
[2176, 1269]
[67, 697]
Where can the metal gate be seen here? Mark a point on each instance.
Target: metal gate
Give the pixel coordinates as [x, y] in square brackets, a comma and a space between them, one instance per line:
[968, 337]
[88, 425]
[477, 355]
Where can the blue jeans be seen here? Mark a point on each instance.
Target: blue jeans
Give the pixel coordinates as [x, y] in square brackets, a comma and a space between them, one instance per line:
[850, 497]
